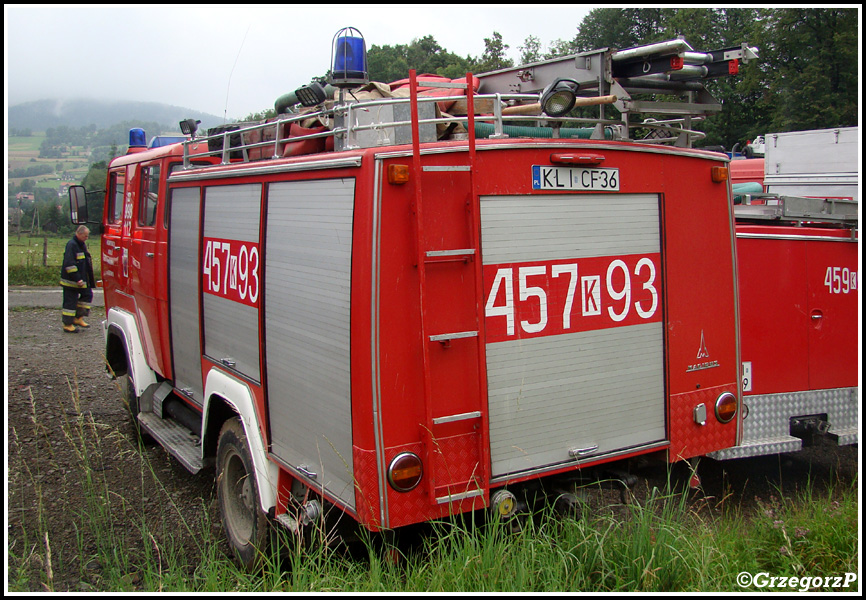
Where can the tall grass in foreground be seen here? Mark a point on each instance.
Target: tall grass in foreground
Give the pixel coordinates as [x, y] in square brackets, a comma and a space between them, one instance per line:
[669, 543]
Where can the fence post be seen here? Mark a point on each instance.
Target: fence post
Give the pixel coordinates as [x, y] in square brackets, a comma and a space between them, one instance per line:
[45, 251]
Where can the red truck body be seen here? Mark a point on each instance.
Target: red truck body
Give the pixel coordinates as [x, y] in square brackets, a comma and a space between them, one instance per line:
[407, 330]
[799, 325]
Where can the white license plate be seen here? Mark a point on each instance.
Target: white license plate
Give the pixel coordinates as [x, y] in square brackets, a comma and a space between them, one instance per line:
[575, 178]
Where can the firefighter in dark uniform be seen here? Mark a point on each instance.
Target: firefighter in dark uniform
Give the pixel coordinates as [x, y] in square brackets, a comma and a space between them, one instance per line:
[76, 277]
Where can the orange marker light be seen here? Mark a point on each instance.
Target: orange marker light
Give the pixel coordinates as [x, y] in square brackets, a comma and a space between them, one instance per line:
[719, 174]
[398, 174]
[726, 407]
[405, 471]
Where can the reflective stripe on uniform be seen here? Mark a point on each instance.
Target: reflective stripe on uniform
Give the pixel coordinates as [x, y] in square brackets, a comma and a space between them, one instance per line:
[72, 269]
[69, 283]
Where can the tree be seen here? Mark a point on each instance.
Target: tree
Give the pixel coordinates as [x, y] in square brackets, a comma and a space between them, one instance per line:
[387, 63]
[530, 51]
[260, 116]
[805, 77]
[811, 59]
[95, 181]
[561, 47]
[494, 55]
[620, 28]
[425, 55]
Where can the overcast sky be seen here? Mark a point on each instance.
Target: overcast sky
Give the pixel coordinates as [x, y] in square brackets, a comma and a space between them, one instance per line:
[234, 59]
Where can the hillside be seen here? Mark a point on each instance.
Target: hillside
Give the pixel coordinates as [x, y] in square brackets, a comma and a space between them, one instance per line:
[42, 114]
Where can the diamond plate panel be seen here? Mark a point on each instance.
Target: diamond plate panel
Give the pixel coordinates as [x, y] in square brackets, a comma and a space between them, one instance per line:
[456, 462]
[766, 428]
[688, 438]
[454, 457]
[367, 502]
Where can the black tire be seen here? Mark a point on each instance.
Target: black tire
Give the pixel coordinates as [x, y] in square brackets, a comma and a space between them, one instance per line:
[132, 402]
[127, 393]
[246, 526]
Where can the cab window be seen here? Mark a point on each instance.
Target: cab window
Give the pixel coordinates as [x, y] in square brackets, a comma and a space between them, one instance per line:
[115, 196]
[149, 198]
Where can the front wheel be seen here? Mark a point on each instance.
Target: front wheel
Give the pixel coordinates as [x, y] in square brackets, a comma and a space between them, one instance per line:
[127, 393]
[133, 404]
[245, 524]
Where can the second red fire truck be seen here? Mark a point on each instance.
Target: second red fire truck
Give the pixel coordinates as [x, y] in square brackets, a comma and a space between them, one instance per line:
[797, 252]
[413, 308]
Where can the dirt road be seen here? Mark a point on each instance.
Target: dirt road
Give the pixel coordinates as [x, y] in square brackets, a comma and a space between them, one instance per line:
[67, 430]
[65, 424]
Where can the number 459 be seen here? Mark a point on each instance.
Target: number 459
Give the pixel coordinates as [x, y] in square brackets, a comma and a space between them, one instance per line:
[840, 280]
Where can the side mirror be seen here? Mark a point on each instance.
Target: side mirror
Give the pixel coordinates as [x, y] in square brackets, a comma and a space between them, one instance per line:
[77, 204]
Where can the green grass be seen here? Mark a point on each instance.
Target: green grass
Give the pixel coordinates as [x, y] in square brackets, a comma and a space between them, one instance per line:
[24, 258]
[23, 151]
[29, 143]
[666, 544]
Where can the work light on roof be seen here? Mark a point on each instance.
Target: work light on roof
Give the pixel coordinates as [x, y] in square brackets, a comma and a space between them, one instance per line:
[559, 97]
[311, 94]
[189, 126]
[349, 58]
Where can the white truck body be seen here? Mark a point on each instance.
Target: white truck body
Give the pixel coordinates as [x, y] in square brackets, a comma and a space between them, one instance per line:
[821, 162]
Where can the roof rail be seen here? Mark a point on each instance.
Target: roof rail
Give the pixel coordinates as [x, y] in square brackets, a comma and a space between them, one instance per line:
[506, 96]
[842, 212]
[665, 68]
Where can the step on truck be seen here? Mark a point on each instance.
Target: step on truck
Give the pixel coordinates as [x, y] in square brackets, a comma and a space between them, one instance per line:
[389, 308]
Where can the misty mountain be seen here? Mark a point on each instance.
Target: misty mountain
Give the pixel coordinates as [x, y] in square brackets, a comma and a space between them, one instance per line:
[42, 114]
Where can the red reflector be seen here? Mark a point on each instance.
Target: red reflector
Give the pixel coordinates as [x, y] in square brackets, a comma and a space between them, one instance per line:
[676, 63]
[733, 67]
[576, 158]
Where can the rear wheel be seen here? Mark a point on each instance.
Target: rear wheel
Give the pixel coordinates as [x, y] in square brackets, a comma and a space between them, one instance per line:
[245, 524]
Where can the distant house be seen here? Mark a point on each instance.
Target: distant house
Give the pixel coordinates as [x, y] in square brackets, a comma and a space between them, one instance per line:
[22, 196]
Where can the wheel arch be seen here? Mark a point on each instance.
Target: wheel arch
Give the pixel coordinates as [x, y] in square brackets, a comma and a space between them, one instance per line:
[226, 397]
[116, 351]
[124, 351]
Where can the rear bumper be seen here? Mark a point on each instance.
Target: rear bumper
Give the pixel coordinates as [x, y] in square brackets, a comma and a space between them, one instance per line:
[767, 426]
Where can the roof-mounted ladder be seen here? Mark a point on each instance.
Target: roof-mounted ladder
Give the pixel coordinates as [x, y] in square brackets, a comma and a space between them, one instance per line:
[842, 212]
[666, 68]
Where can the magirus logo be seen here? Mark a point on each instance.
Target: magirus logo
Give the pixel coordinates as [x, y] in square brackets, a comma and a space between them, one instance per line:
[703, 356]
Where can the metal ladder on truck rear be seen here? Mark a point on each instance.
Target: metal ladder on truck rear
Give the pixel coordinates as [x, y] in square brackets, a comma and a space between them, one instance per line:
[665, 68]
[450, 483]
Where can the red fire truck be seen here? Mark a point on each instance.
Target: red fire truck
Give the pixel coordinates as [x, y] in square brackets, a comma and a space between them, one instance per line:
[408, 309]
[798, 286]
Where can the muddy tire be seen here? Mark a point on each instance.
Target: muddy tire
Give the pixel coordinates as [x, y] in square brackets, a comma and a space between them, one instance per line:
[127, 393]
[132, 402]
[246, 526]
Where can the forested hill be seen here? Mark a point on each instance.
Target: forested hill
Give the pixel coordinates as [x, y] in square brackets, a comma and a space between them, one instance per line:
[806, 76]
[44, 114]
